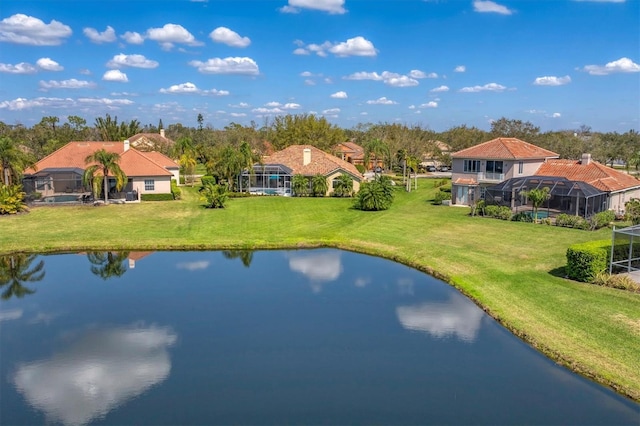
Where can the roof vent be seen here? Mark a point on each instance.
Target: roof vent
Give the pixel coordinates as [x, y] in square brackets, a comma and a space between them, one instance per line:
[306, 156]
[586, 159]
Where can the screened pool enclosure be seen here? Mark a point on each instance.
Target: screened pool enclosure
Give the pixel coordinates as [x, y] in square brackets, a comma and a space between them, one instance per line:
[268, 179]
[625, 251]
[566, 196]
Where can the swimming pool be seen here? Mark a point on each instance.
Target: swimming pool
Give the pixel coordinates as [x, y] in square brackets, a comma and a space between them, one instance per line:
[63, 198]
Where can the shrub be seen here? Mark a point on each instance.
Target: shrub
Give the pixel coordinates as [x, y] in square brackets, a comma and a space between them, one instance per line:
[342, 186]
[586, 260]
[300, 185]
[602, 219]
[440, 182]
[207, 179]
[375, 195]
[572, 221]
[156, 197]
[499, 212]
[319, 186]
[522, 217]
[632, 211]
[238, 194]
[214, 196]
[175, 191]
[11, 199]
[622, 282]
[440, 197]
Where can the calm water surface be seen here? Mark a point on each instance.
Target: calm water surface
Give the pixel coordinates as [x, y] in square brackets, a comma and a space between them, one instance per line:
[271, 337]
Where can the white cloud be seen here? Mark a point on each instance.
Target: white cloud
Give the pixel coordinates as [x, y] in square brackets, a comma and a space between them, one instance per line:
[490, 7]
[267, 111]
[364, 76]
[402, 81]
[48, 64]
[331, 111]
[331, 6]
[23, 29]
[306, 74]
[101, 370]
[21, 68]
[458, 317]
[115, 75]
[171, 34]
[194, 266]
[301, 51]
[190, 88]
[236, 65]
[556, 115]
[104, 101]
[439, 89]
[291, 105]
[66, 84]
[229, 37]
[309, 82]
[552, 81]
[132, 37]
[240, 105]
[431, 104]
[339, 95]
[134, 61]
[622, 65]
[357, 46]
[421, 74]
[273, 104]
[382, 101]
[20, 104]
[11, 314]
[237, 114]
[490, 87]
[460, 68]
[319, 268]
[107, 36]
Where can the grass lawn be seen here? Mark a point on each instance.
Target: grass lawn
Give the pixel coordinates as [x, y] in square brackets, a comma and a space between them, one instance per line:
[513, 270]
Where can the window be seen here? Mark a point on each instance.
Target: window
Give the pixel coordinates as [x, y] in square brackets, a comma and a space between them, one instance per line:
[494, 166]
[471, 166]
[483, 191]
[520, 167]
[149, 185]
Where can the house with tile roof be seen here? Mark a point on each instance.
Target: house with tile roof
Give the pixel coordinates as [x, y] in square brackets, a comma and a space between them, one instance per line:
[147, 142]
[274, 174]
[478, 167]
[61, 172]
[502, 170]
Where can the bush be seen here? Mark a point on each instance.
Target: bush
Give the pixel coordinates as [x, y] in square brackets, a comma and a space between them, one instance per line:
[499, 212]
[207, 179]
[238, 194]
[156, 197]
[586, 260]
[622, 282]
[375, 195]
[522, 217]
[11, 199]
[214, 196]
[440, 197]
[175, 191]
[602, 219]
[572, 221]
[440, 182]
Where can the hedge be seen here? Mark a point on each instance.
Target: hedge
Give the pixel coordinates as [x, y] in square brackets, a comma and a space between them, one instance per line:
[157, 197]
[586, 260]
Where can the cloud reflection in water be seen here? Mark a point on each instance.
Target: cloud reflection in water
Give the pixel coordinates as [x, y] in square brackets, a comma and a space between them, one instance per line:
[319, 268]
[102, 369]
[459, 317]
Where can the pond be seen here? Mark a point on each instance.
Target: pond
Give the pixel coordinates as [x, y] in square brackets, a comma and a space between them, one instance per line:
[268, 337]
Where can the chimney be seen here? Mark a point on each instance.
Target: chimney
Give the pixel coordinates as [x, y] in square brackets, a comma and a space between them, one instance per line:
[586, 159]
[306, 156]
[162, 132]
[127, 145]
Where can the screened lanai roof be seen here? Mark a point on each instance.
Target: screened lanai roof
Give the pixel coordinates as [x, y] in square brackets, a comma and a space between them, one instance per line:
[559, 186]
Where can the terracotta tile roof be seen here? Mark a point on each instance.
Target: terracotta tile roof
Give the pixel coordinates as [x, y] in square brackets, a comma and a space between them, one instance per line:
[162, 159]
[350, 147]
[465, 181]
[155, 137]
[72, 155]
[595, 174]
[507, 149]
[321, 162]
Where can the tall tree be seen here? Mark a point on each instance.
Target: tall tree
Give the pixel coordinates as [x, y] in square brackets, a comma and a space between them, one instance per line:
[506, 128]
[319, 186]
[378, 149]
[108, 264]
[15, 271]
[304, 129]
[109, 129]
[13, 161]
[537, 196]
[106, 163]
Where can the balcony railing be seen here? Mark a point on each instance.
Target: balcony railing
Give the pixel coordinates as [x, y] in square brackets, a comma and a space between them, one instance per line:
[488, 176]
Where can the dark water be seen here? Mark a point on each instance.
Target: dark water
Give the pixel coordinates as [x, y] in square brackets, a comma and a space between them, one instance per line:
[279, 337]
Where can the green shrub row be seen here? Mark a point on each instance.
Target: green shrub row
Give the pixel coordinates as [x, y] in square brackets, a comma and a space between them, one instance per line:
[175, 190]
[156, 197]
[11, 199]
[206, 179]
[499, 212]
[586, 260]
[597, 221]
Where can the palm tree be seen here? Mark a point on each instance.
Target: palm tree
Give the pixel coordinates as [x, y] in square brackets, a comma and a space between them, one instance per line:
[12, 161]
[319, 185]
[378, 148]
[14, 270]
[537, 196]
[343, 186]
[245, 256]
[300, 185]
[375, 195]
[107, 163]
[108, 264]
[188, 163]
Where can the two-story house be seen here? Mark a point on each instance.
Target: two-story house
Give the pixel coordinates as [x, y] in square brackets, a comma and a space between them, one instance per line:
[478, 167]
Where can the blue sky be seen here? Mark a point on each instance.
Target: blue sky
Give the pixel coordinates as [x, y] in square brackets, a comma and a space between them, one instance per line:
[436, 63]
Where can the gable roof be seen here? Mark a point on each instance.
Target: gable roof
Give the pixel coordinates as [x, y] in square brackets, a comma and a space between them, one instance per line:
[132, 162]
[321, 162]
[505, 149]
[595, 174]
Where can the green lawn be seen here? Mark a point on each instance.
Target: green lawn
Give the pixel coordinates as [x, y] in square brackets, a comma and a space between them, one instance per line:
[513, 270]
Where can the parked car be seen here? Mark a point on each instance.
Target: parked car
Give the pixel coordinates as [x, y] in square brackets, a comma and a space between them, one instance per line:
[443, 168]
[431, 169]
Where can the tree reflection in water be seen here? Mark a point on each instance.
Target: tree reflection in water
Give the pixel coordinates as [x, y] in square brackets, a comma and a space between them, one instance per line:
[246, 256]
[108, 264]
[15, 270]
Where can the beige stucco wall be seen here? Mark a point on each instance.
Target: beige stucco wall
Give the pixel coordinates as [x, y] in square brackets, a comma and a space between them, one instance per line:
[617, 199]
[331, 177]
[162, 184]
